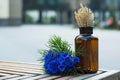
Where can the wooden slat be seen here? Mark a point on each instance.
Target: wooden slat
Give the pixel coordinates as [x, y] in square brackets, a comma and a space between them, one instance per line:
[83, 77]
[19, 67]
[106, 75]
[64, 78]
[21, 77]
[37, 77]
[22, 67]
[24, 70]
[4, 74]
[50, 78]
[36, 66]
[8, 77]
[13, 72]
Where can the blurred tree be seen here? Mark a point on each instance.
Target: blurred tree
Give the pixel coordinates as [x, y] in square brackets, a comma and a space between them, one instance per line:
[28, 19]
[52, 19]
[113, 5]
[96, 5]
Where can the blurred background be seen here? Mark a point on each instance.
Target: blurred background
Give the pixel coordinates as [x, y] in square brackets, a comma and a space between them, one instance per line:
[15, 12]
[26, 26]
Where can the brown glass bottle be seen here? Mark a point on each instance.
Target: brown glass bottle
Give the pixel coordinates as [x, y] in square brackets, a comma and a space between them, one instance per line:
[86, 48]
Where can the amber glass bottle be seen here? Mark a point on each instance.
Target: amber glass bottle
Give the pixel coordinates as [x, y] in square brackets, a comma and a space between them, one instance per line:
[86, 48]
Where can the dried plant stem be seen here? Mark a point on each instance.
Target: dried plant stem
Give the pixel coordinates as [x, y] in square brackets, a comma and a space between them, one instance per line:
[84, 17]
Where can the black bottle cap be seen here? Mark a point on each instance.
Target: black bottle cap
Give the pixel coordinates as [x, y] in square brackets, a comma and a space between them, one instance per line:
[86, 30]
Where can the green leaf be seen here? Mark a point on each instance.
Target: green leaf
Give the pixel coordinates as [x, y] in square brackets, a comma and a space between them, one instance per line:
[58, 45]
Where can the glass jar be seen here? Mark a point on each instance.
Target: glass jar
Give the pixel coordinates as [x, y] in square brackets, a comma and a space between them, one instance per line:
[86, 48]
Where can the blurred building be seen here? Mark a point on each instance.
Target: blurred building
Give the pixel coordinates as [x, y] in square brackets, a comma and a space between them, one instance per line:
[64, 9]
[10, 12]
[53, 11]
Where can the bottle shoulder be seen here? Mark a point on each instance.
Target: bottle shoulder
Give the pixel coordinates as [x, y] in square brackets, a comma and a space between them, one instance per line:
[82, 37]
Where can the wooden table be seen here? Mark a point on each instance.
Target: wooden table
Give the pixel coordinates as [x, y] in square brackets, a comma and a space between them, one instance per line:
[22, 71]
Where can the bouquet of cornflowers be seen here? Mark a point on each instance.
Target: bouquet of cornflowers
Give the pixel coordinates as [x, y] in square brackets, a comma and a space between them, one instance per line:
[59, 59]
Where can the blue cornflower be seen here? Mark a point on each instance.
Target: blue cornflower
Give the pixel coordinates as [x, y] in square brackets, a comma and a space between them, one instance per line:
[68, 60]
[57, 63]
[47, 57]
[53, 67]
[76, 60]
[60, 59]
[50, 56]
[47, 69]
[65, 54]
[62, 67]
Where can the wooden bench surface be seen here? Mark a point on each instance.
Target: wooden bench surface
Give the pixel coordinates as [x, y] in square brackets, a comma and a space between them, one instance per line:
[23, 71]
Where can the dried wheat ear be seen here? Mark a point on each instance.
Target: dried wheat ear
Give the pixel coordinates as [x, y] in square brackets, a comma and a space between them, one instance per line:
[84, 17]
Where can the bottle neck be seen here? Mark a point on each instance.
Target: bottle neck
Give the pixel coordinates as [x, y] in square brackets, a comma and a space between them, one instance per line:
[86, 35]
[86, 30]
